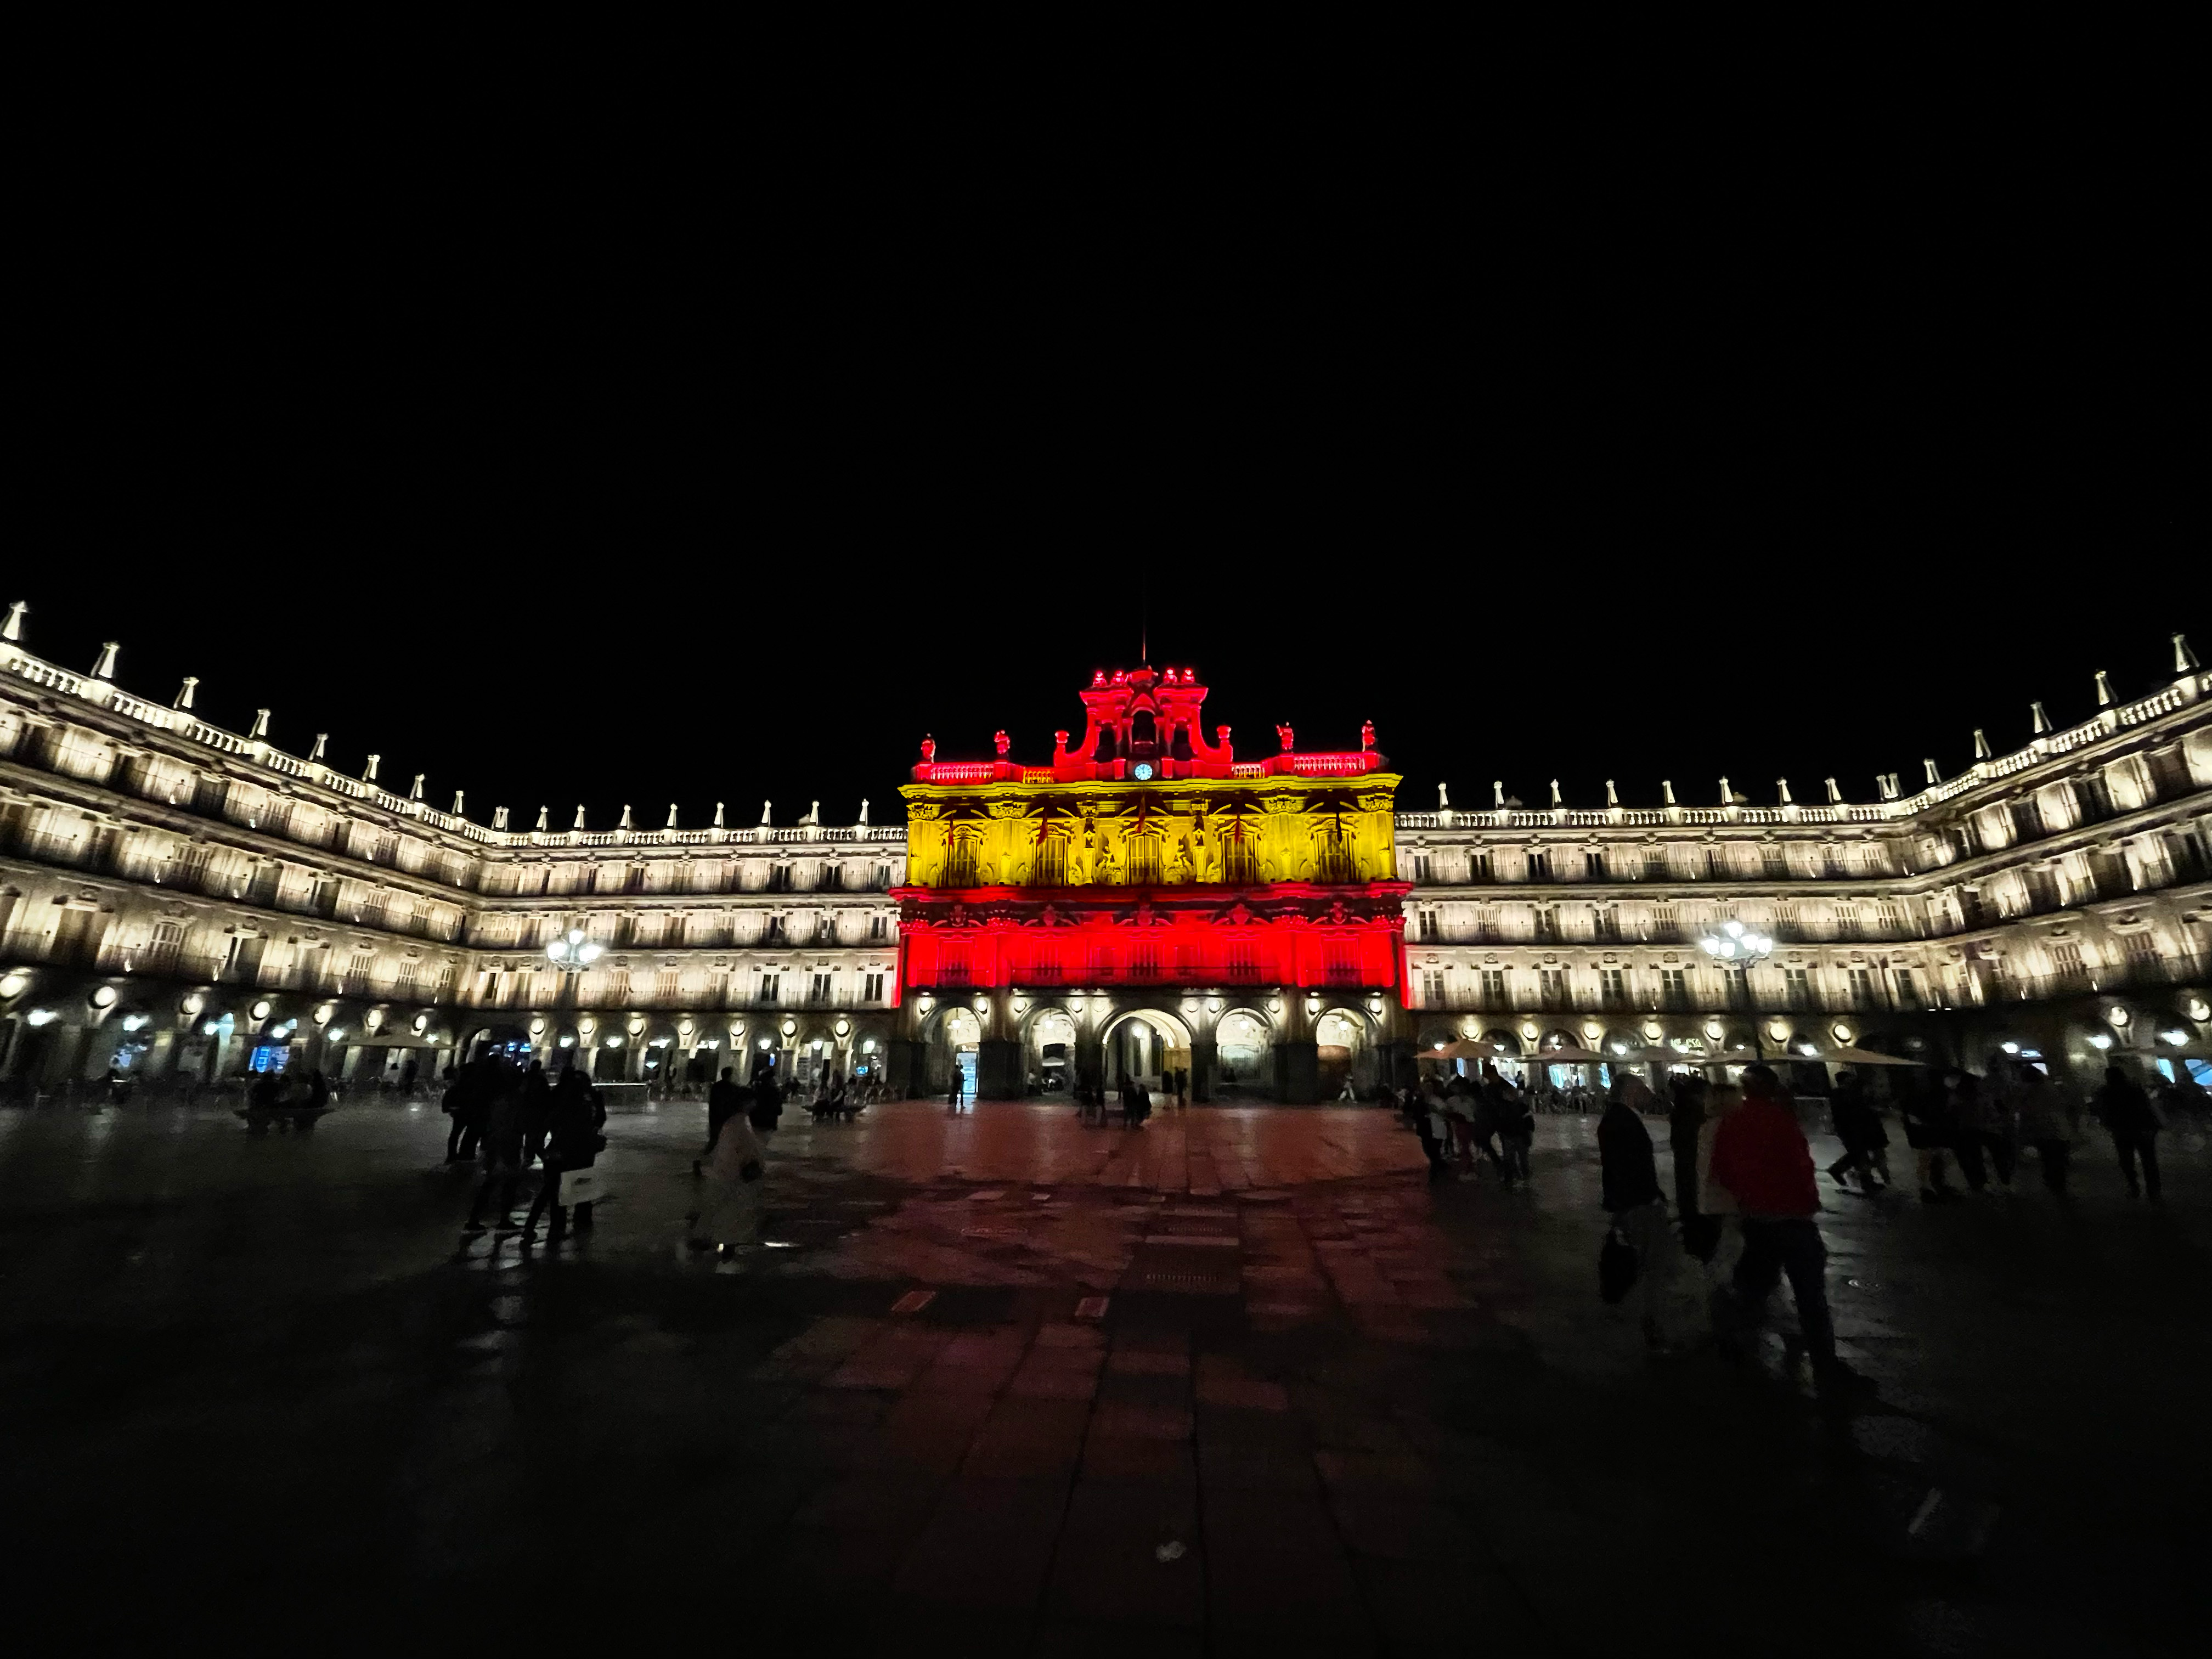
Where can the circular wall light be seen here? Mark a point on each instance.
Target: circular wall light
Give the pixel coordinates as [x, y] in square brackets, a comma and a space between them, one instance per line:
[193, 1003]
[1842, 1034]
[1715, 1030]
[1653, 1031]
[421, 1024]
[11, 985]
[260, 1009]
[103, 996]
[537, 1026]
[322, 1015]
[844, 1028]
[790, 1027]
[373, 1018]
[2119, 1017]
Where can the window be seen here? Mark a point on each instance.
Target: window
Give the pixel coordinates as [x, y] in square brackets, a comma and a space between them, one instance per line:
[1432, 987]
[1421, 866]
[1737, 980]
[1609, 922]
[779, 878]
[1551, 986]
[409, 978]
[817, 989]
[833, 876]
[634, 879]
[1673, 988]
[1717, 864]
[2142, 947]
[1773, 861]
[445, 990]
[883, 876]
[1655, 864]
[1908, 991]
[1426, 928]
[1797, 987]
[1539, 865]
[1612, 986]
[879, 927]
[1847, 921]
[1862, 989]
[1478, 867]
[1494, 987]
[165, 946]
[357, 971]
[618, 985]
[1548, 924]
[873, 988]
[1593, 866]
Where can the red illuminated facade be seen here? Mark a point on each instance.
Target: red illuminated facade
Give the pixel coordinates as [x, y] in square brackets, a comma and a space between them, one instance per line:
[1147, 868]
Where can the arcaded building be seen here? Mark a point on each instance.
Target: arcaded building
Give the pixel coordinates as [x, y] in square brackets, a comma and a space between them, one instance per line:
[180, 901]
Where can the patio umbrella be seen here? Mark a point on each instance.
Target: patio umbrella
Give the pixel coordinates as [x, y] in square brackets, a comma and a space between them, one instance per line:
[1465, 1048]
[1851, 1056]
[1566, 1054]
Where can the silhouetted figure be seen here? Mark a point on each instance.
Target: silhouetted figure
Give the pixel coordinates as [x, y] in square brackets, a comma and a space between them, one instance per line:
[1632, 1199]
[502, 1122]
[724, 1100]
[2133, 1124]
[1686, 1118]
[1859, 1128]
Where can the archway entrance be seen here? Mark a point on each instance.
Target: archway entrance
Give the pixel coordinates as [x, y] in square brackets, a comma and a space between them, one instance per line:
[1341, 1040]
[1144, 1043]
[962, 1033]
[1052, 1051]
[1241, 1046]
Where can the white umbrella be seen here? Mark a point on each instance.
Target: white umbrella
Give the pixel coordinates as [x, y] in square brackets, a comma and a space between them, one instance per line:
[1848, 1055]
[1566, 1054]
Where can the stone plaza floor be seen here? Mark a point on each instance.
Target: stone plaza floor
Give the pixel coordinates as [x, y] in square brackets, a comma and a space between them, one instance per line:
[1239, 1382]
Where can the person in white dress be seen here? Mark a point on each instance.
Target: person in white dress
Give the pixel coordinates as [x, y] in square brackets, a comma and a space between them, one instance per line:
[736, 1186]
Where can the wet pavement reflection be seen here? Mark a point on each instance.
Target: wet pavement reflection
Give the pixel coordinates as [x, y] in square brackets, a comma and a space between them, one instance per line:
[1242, 1379]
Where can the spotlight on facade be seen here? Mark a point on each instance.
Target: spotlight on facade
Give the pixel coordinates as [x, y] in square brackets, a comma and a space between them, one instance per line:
[42, 1017]
[571, 952]
[11, 985]
[213, 1027]
[2119, 1017]
[134, 1022]
[260, 1009]
[103, 996]
[336, 1034]
[1842, 1034]
[2197, 1008]
[2099, 1040]
[193, 1004]
[2009, 1048]
[613, 1042]
[2176, 1038]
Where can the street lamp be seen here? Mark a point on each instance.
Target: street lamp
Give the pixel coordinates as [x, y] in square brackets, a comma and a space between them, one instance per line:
[571, 952]
[1736, 945]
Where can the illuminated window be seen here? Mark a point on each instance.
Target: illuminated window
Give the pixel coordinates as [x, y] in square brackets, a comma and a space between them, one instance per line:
[768, 985]
[873, 988]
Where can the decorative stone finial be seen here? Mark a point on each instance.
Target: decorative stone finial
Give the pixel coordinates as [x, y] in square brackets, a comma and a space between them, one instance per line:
[813, 813]
[415, 791]
[1666, 790]
[1612, 794]
[543, 812]
[1498, 793]
[1367, 735]
[105, 668]
[1001, 742]
[1835, 795]
[322, 738]
[1934, 776]
[624, 824]
[498, 818]
[765, 806]
[12, 630]
[579, 819]
[1443, 798]
[1981, 744]
[864, 808]
[2042, 720]
[1783, 784]
[185, 693]
[260, 724]
[717, 814]
[2104, 690]
[1555, 792]
[459, 796]
[2185, 660]
[368, 773]
[671, 815]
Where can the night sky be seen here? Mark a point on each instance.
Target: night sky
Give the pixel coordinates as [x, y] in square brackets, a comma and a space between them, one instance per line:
[655, 465]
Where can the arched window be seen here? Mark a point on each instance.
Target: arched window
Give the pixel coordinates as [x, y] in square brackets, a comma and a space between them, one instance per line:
[1105, 750]
[1144, 731]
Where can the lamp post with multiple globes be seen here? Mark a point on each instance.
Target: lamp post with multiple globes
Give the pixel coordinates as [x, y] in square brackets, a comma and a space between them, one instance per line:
[571, 952]
[1734, 946]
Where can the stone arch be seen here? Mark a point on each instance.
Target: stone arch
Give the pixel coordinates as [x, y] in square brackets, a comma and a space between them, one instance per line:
[1343, 1040]
[1143, 1055]
[1050, 1033]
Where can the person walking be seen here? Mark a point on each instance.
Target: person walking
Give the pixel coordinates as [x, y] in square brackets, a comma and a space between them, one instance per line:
[1859, 1128]
[536, 1111]
[730, 1214]
[1631, 1198]
[952, 1095]
[501, 1120]
[1760, 1156]
[1430, 1123]
[2133, 1123]
[1515, 1124]
[1685, 1120]
[724, 1100]
[1928, 1131]
[573, 1142]
[2045, 1124]
[768, 1103]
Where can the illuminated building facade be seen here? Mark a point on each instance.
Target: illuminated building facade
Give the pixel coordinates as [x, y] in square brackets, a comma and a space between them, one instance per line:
[1145, 900]
[177, 900]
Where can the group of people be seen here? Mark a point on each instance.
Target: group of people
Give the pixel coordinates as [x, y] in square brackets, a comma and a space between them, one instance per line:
[512, 1117]
[1466, 1123]
[285, 1098]
[1742, 1165]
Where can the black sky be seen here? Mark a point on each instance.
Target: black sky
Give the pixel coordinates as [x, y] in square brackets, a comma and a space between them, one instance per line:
[569, 453]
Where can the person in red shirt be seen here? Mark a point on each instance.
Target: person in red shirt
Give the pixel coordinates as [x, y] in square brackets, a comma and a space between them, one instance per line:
[1760, 1156]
